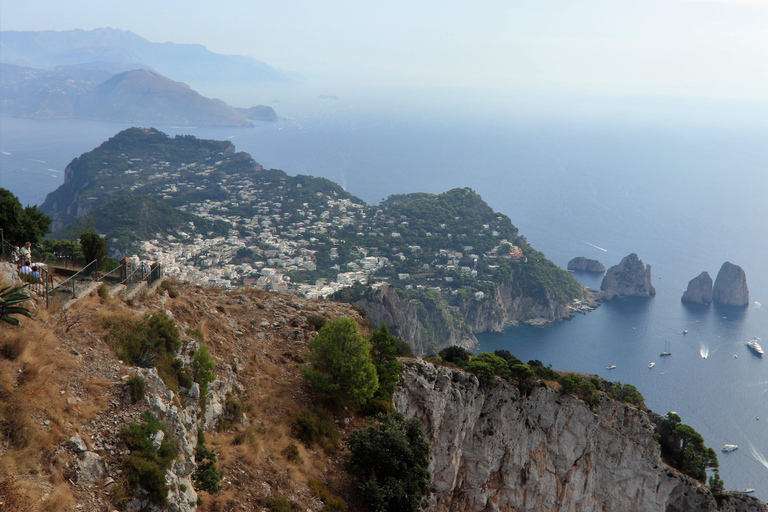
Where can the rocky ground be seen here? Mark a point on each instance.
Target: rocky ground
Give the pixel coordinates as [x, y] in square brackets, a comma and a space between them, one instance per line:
[66, 389]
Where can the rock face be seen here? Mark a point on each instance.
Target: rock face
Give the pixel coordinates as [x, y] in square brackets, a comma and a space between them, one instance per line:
[426, 333]
[699, 290]
[630, 278]
[583, 264]
[731, 286]
[495, 450]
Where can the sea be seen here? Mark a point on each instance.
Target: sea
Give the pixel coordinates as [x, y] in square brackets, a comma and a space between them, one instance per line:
[682, 184]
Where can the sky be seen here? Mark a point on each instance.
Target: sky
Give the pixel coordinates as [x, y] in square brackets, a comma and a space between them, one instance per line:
[669, 48]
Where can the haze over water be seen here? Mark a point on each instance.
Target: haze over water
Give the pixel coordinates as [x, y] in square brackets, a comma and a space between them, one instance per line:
[686, 190]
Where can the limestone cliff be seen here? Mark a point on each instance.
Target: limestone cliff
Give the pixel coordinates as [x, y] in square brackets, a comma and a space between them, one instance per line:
[495, 450]
[630, 278]
[731, 286]
[583, 264]
[426, 329]
[699, 290]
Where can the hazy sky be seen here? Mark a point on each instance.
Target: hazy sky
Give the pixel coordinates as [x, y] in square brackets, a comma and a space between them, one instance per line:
[715, 48]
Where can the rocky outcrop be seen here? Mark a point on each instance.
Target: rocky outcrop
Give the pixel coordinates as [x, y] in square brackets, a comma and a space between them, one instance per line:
[699, 290]
[731, 286]
[494, 449]
[259, 113]
[630, 278]
[9, 275]
[583, 264]
[426, 329]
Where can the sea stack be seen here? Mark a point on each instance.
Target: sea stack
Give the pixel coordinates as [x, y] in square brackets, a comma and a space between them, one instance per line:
[586, 265]
[699, 290]
[630, 278]
[731, 286]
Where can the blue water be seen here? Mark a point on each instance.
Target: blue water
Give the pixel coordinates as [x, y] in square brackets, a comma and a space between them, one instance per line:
[685, 193]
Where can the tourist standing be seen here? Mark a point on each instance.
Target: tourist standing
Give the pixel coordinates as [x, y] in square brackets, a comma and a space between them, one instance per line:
[26, 252]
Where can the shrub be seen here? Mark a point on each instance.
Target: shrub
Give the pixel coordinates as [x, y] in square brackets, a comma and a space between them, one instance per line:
[508, 357]
[146, 466]
[483, 370]
[167, 286]
[207, 476]
[546, 373]
[391, 463]
[332, 503]
[627, 393]
[375, 406]
[202, 369]
[523, 375]
[569, 382]
[103, 292]
[143, 343]
[316, 427]
[278, 503]
[233, 408]
[499, 365]
[317, 322]
[340, 363]
[291, 454]
[455, 354]
[136, 387]
[384, 352]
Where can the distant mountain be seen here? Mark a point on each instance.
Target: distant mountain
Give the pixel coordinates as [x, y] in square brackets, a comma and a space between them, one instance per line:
[259, 112]
[189, 63]
[144, 96]
[92, 91]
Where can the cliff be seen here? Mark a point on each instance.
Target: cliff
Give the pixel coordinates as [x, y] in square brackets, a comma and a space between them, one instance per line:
[730, 287]
[259, 113]
[494, 449]
[426, 329]
[630, 278]
[583, 264]
[699, 290]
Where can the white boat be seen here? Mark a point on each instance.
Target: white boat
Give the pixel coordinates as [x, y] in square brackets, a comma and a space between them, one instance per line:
[651, 365]
[610, 367]
[685, 332]
[730, 447]
[755, 347]
[747, 491]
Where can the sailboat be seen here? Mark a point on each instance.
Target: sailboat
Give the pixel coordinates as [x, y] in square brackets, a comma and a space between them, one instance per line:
[666, 351]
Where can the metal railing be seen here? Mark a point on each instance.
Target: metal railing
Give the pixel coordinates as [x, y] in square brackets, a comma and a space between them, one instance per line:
[85, 275]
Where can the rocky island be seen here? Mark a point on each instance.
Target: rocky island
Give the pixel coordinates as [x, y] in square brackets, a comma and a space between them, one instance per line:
[630, 278]
[583, 264]
[730, 287]
[699, 290]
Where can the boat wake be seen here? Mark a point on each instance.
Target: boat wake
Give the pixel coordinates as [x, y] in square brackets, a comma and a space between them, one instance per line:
[596, 247]
[757, 304]
[704, 351]
[758, 456]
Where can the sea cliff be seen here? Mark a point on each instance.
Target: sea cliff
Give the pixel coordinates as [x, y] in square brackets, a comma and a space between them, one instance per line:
[494, 448]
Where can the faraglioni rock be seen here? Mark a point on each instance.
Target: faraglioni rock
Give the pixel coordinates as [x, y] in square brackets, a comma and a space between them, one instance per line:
[731, 286]
[630, 278]
[496, 449]
[586, 265]
[699, 290]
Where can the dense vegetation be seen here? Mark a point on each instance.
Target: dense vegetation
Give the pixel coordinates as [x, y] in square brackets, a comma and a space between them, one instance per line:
[390, 460]
[683, 448]
[21, 224]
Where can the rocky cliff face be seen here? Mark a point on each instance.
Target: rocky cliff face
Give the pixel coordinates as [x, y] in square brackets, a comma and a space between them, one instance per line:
[699, 290]
[583, 264]
[731, 286]
[425, 330]
[495, 450]
[503, 308]
[630, 278]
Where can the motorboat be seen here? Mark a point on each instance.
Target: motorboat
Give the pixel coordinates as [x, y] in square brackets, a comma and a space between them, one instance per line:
[730, 447]
[651, 365]
[755, 347]
[610, 367]
[747, 491]
[685, 332]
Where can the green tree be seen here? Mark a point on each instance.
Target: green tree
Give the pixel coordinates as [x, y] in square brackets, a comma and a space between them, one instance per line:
[499, 365]
[21, 224]
[384, 352]
[455, 354]
[523, 375]
[340, 364]
[10, 298]
[627, 393]
[94, 247]
[683, 448]
[391, 461]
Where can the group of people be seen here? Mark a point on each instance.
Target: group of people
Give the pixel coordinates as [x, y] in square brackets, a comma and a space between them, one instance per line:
[22, 258]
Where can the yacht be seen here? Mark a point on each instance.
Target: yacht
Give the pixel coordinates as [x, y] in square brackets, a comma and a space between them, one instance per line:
[651, 365]
[666, 351]
[730, 447]
[610, 367]
[755, 347]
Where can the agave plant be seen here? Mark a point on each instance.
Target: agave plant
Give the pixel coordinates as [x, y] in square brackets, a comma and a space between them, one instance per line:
[10, 298]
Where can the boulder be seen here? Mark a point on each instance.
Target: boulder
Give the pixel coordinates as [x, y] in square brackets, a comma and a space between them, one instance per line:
[583, 264]
[731, 286]
[630, 278]
[699, 290]
[9, 275]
